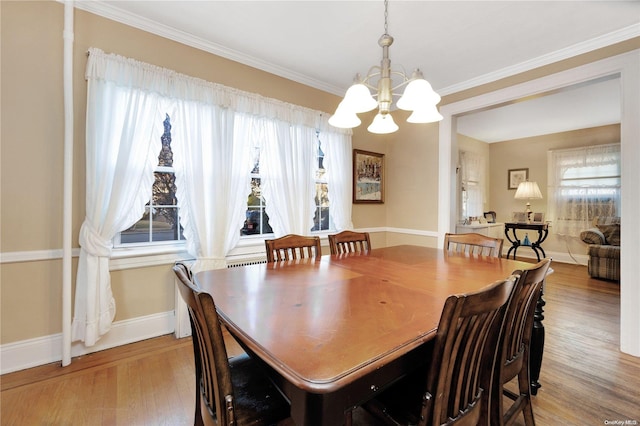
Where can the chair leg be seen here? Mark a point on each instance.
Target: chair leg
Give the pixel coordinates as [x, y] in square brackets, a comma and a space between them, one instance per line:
[524, 385]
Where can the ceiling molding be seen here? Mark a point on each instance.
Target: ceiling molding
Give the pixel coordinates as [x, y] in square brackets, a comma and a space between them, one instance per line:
[139, 22]
[559, 55]
[136, 21]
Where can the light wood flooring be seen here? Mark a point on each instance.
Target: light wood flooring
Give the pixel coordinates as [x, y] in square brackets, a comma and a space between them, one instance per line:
[585, 379]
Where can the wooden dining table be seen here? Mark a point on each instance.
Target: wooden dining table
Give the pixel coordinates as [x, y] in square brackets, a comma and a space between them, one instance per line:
[336, 330]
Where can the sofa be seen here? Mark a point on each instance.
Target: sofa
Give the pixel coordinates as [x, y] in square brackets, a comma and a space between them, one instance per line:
[603, 239]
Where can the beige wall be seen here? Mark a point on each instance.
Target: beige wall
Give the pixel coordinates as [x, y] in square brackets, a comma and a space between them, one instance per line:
[32, 157]
[531, 153]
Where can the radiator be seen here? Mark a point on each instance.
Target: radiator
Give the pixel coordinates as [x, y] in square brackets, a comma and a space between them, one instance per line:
[245, 262]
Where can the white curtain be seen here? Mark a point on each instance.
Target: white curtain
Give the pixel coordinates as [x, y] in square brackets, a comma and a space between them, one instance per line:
[214, 127]
[583, 183]
[338, 164]
[288, 163]
[472, 168]
[212, 167]
[122, 144]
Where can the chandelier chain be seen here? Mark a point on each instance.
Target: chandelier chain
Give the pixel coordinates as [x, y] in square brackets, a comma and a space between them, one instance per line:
[386, 16]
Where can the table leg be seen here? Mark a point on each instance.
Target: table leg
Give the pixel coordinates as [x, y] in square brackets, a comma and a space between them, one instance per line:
[537, 345]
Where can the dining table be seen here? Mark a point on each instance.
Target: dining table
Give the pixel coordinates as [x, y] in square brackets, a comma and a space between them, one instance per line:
[336, 330]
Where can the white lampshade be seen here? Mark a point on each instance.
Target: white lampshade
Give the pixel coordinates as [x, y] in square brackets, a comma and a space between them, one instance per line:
[383, 124]
[426, 115]
[358, 99]
[418, 95]
[344, 118]
[527, 191]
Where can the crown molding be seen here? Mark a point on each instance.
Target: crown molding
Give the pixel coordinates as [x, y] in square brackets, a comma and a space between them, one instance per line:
[111, 12]
[586, 46]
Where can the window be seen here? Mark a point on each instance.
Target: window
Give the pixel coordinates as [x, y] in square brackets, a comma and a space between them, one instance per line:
[257, 220]
[160, 222]
[322, 219]
[584, 183]
[472, 168]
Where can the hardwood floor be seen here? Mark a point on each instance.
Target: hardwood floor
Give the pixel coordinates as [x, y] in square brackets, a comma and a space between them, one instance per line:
[585, 379]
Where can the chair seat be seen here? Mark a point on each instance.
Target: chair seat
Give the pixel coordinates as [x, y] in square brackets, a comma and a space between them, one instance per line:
[258, 401]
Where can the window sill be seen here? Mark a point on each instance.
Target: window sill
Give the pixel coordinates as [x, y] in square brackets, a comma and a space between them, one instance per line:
[145, 256]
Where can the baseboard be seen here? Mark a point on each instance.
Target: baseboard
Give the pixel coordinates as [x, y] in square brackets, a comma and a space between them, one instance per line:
[557, 256]
[45, 350]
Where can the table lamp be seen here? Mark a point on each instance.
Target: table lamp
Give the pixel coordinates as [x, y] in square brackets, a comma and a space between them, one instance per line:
[527, 191]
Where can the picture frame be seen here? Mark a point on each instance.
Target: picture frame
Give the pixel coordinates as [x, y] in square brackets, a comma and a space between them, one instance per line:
[519, 217]
[537, 217]
[368, 177]
[515, 176]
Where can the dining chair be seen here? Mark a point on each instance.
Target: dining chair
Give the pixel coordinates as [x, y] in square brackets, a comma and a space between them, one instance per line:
[473, 243]
[229, 392]
[460, 368]
[349, 242]
[292, 247]
[513, 355]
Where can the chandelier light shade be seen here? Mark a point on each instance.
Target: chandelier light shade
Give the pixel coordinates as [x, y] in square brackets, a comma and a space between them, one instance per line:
[383, 124]
[528, 191]
[418, 97]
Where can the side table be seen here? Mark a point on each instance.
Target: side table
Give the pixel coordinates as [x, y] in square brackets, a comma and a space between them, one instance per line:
[542, 230]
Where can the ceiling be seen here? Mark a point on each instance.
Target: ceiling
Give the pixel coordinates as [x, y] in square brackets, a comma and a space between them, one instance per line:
[457, 44]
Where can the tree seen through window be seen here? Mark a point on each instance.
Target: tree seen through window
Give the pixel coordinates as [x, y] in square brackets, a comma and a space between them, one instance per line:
[159, 222]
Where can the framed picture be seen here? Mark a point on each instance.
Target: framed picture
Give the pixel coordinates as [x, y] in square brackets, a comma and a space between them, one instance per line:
[368, 177]
[519, 217]
[516, 176]
[538, 217]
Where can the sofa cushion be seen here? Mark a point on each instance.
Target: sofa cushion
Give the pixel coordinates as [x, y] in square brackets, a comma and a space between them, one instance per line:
[592, 236]
[607, 251]
[611, 234]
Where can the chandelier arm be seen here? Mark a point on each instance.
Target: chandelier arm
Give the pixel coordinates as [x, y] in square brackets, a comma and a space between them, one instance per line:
[371, 74]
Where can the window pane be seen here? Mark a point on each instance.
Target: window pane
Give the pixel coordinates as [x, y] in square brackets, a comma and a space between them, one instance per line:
[164, 224]
[138, 233]
[606, 170]
[257, 220]
[321, 218]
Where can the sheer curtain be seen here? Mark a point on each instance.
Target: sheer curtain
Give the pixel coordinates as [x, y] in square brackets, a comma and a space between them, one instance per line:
[583, 183]
[121, 151]
[287, 169]
[211, 166]
[338, 163]
[472, 169]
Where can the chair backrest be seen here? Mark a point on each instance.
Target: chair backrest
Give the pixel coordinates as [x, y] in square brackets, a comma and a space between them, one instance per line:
[463, 356]
[349, 242]
[292, 247]
[473, 243]
[519, 318]
[212, 366]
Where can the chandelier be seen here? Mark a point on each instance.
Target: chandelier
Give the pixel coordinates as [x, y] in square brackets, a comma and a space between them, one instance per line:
[418, 95]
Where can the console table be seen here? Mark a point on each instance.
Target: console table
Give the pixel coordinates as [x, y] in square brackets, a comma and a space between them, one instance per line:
[542, 230]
